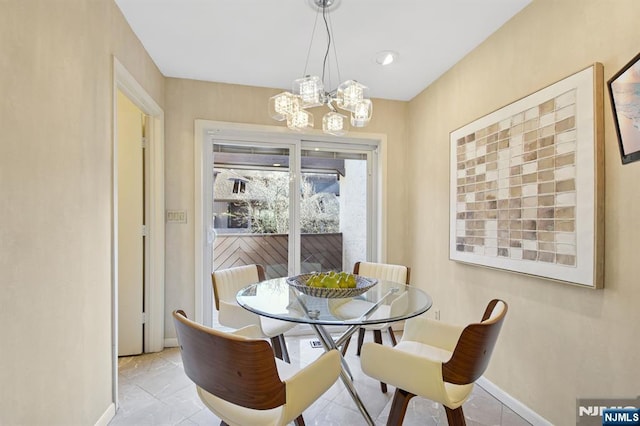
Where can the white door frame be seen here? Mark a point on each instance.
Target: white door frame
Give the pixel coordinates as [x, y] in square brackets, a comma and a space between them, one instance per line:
[154, 206]
[205, 130]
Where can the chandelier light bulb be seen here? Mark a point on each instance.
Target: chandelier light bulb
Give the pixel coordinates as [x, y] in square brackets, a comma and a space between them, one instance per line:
[388, 58]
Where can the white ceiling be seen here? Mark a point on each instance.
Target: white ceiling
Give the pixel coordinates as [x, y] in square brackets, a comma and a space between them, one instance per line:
[265, 42]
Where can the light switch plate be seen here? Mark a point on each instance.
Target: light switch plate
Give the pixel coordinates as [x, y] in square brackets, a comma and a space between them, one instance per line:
[176, 216]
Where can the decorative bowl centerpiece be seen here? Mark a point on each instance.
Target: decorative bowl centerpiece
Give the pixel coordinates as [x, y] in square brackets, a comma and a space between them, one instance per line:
[332, 286]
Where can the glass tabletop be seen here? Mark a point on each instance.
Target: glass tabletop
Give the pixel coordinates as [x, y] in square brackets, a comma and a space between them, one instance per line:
[387, 301]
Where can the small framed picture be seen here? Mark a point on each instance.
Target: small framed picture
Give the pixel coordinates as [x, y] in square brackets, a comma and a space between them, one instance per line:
[624, 91]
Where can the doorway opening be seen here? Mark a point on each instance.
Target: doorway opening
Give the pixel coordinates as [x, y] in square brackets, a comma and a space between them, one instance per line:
[152, 211]
[130, 190]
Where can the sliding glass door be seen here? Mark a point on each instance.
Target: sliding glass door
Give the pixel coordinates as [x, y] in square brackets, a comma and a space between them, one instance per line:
[293, 205]
[262, 214]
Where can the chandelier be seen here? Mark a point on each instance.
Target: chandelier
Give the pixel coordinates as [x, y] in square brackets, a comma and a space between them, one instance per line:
[311, 91]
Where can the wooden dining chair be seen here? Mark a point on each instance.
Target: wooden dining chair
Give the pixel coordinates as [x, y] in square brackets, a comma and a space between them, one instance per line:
[381, 271]
[226, 284]
[435, 360]
[240, 381]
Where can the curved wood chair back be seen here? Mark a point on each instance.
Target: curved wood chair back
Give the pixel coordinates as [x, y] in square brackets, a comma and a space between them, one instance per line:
[475, 345]
[242, 372]
[227, 282]
[383, 271]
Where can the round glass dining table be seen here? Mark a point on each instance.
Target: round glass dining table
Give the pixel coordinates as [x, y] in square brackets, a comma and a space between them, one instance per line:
[385, 302]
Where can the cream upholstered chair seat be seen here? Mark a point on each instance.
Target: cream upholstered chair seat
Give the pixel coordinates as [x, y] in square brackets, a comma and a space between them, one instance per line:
[240, 381]
[417, 361]
[435, 360]
[226, 284]
[302, 391]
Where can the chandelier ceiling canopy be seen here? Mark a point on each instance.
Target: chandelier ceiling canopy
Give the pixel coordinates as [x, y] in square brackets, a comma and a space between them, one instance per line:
[309, 91]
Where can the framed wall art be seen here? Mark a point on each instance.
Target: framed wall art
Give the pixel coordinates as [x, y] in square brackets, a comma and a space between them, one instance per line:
[624, 92]
[527, 188]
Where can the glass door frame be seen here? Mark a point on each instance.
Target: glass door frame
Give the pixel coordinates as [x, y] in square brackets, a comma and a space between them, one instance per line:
[209, 132]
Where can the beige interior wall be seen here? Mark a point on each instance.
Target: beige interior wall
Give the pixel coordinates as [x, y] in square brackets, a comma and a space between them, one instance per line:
[56, 209]
[188, 100]
[559, 342]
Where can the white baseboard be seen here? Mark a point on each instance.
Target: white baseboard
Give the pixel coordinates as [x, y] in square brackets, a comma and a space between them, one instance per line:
[518, 407]
[106, 417]
[171, 342]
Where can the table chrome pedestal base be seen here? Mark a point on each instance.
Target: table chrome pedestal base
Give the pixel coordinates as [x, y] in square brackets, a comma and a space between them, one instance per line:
[345, 373]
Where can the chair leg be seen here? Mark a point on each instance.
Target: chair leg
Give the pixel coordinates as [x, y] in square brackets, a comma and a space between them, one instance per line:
[280, 348]
[345, 346]
[377, 337]
[392, 336]
[275, 344]
[399, 407]
[360, 340]
[455, 417]
[299, 421]
[283, 348]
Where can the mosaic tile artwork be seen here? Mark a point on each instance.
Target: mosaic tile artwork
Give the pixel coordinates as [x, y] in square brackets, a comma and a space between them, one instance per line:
[527, 184]
[516, 185]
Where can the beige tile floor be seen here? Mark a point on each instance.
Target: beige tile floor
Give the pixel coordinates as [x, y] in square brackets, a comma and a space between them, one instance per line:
[153, 390]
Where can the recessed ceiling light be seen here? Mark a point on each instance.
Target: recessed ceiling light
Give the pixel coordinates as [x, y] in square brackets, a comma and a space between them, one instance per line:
[386, 57]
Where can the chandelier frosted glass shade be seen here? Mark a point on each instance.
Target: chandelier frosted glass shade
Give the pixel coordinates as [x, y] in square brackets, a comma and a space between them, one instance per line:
[300, 120]
[361, 115]
[334, 123]
[283, 104]
[310, 89]
[350, 94]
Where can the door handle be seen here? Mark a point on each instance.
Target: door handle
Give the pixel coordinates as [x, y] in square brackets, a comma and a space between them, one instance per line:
[211, 235]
